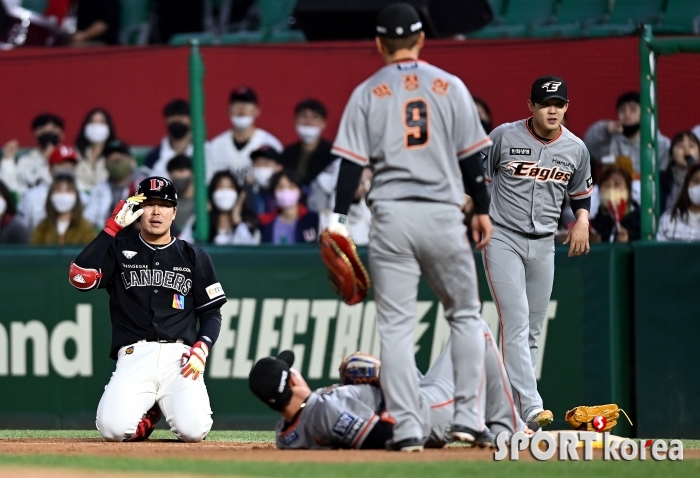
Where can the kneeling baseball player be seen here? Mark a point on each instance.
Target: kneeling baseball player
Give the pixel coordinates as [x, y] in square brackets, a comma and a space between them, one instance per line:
[354, 415]
[159, 289]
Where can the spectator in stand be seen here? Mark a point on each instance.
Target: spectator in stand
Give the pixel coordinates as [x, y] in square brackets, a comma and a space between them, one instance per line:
[230, 222]
[181, 174]
[64, 222]
[97, 130]
[121, 167]
[98, 22]
[359, 214]
[231, 149]
[259, 195]
[682, 221]
[311, 156]
[180, 16]
[292, 222]
[32, 207]
[12, 231]
[685, 153]
[610, 141]
[484, 114]
[32, 168]
[618, 218]
[178, 140]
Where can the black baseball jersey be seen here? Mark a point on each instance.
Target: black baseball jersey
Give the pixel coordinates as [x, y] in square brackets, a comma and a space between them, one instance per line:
[156, 292]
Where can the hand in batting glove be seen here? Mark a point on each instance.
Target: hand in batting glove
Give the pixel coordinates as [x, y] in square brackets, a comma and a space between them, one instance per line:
[194, 360]
[123, 215]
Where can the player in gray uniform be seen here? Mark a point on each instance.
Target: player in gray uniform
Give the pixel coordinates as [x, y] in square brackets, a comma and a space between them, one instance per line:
[532, 164]
[418, 127]
[354, 416]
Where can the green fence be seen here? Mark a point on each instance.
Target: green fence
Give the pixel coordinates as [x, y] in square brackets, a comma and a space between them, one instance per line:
[54, 340]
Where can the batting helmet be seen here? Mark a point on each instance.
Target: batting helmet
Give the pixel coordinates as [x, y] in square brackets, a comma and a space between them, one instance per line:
[156, 187]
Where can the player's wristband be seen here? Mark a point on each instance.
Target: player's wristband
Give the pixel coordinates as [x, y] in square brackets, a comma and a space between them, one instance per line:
[473, 178]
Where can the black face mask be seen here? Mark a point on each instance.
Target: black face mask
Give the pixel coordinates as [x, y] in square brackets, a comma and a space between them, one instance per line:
[178, 130]
[486, 125]
[46, 139]
[630, 130]
[181, 184]
[690, 161]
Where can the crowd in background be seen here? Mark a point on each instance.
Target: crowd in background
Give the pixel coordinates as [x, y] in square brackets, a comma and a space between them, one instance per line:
[259, 191]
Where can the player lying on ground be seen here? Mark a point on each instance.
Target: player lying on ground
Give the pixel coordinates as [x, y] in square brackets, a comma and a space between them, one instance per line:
[353, 416]
[532, 164]
[159, 288]
[418, 127]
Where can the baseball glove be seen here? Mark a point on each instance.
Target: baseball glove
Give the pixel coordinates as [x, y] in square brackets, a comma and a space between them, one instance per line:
[346, 272]
[581, 418]
[359, 368]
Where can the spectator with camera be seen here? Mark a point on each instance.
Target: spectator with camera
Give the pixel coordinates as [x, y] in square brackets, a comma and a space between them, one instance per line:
[682, 221]
[618, 218]
[64, 222]
[96, 131]
[685, 153]
[12, 231]
[178, 139]
[230, 222]
[292, 222]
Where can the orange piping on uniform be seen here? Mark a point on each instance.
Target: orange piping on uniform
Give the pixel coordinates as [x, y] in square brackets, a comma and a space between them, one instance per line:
[371, 421]
[581, 194]
[527, 125]
[443, 404]
[344, 152]
[506, 385]
[474, 146]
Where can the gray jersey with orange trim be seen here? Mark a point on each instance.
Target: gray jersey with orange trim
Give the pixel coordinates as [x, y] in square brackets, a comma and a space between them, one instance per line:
[529, 177]
[412, 121]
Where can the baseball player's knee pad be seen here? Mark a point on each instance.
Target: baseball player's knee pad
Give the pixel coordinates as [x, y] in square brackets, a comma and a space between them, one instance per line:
[114, 428]
[191, 429]
[83, 279]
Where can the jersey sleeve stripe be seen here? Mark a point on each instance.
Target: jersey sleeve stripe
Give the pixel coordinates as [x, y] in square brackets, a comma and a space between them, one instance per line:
[211, 302]
[475, 147]
[587, 191]
[370, 423]
[348, 154]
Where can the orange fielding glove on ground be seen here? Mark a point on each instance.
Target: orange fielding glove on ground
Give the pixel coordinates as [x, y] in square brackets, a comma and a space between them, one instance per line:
[346, 272]
[194, 361]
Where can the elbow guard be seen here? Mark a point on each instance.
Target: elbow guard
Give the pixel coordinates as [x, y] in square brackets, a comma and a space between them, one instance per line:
[83, 279]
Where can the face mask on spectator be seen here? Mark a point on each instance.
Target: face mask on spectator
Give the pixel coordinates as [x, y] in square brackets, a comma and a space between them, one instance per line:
[119, 169]
[224, 199]
[96, 132]
[630, 130]
[287, 197]
[3, 205]
[46, 139]
[262, 175]
[694, 194]
[63, 202]
[181, 184]
[242, 122]
[178, 129]
[308, 134]
[614, 196]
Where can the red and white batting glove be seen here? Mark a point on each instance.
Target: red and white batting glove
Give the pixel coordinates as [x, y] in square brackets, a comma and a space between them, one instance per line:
[194, 360]
[123, 215]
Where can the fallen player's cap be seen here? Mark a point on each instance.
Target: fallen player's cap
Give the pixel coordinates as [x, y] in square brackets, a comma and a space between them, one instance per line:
[269, 380]
[398, 20]
[547, 87]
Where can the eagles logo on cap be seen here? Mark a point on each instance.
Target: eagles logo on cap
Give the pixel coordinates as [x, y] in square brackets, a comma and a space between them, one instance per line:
[549, 87]
[398, 20]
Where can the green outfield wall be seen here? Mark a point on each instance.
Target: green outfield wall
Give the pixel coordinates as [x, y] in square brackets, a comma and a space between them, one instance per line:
[54, 340]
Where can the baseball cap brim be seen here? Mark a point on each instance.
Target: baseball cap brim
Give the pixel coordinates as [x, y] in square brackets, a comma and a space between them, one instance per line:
[286, 356]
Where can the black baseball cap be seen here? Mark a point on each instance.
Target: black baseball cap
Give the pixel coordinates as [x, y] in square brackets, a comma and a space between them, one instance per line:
[398, 20]
[269, 380]
[266, 152]
[547, 87]
[156, 187]
[244, 94]
[116, 146]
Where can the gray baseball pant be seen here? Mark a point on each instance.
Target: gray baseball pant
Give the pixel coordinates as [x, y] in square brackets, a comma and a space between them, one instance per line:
[520, 273]
[409, 238]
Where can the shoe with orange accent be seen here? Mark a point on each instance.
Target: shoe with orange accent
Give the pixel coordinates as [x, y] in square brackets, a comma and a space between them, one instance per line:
[540, 417]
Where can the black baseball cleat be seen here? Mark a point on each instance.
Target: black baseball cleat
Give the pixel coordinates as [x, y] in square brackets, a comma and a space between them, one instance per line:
[483, 439]
[407, 444]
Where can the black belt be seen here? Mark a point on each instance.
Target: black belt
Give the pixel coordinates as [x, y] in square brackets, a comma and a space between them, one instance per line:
[521, 233]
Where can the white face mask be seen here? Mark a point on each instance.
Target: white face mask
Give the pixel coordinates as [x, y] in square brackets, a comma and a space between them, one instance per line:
[694, 194]
[262, 175]
[3, 205]
[242, 122]
[96, 132]
[63, 202]
[224, 199]
[308, 134]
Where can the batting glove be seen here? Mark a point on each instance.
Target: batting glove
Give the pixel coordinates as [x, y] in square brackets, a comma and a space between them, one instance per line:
[194, 360]
[123, 215]
[338, 224]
